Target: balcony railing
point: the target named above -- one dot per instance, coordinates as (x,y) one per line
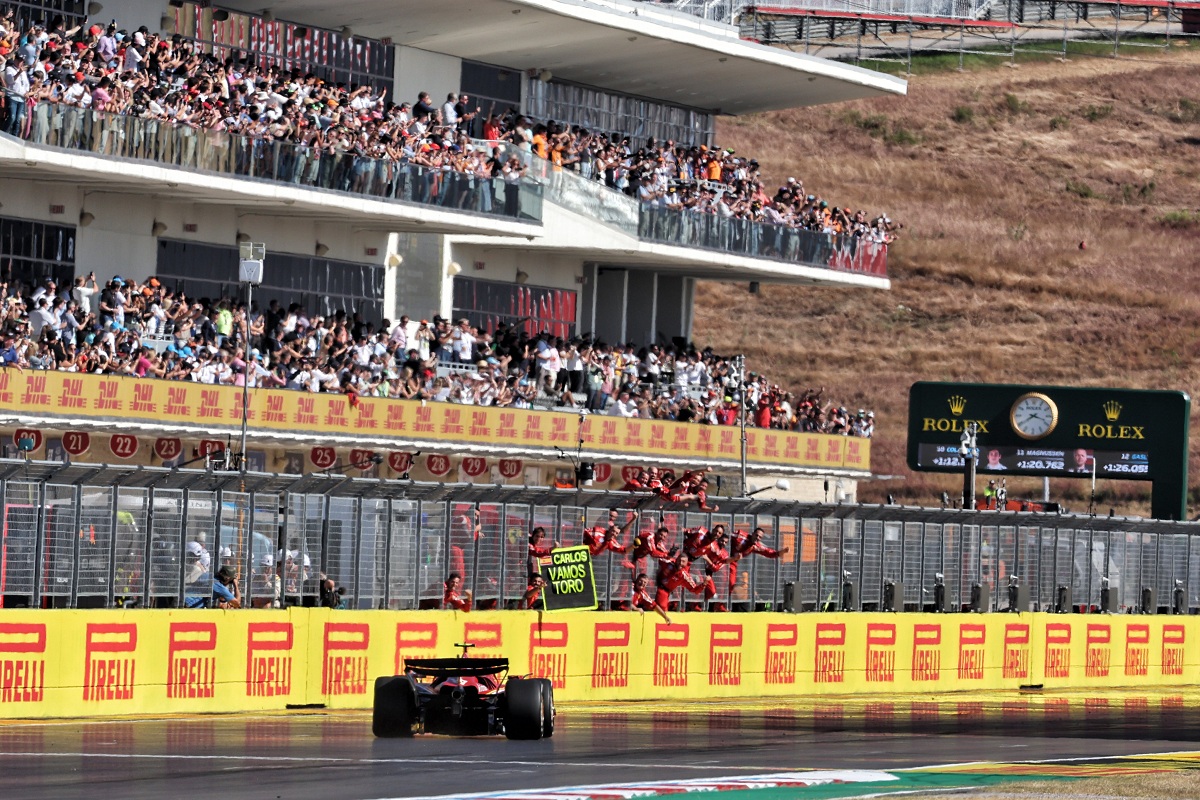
(762,240)
(573,191)
(594,200)
(952,9)
(221,153)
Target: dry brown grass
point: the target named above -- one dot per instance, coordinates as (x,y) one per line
(989,282)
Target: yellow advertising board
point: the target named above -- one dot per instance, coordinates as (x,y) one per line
(343,417)
(106,663)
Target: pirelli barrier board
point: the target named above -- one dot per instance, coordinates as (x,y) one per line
(106,663)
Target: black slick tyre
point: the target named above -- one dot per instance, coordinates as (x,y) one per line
(395,711)
(525,715)
(548,712)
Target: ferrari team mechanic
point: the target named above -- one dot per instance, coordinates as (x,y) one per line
(465,530)
(745,544)
(689,486)
(674,573)
(648,479)
(455,596)
(651,544)
(600,539)
(536,551)
(643,599)
(712,548)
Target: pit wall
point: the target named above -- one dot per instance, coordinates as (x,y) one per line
(106,663)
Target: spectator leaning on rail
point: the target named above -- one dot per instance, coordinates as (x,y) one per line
(224,592)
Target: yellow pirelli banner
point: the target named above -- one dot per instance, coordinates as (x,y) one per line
(103,663)
(63,395)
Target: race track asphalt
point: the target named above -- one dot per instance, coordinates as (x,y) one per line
(333,756)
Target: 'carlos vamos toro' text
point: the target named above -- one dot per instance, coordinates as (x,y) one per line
(569,581)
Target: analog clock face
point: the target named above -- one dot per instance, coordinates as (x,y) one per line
(1034,416)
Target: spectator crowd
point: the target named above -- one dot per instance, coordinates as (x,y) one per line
(170,80)
(153,331)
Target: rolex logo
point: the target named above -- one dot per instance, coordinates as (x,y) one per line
(1112,410)
(957,404)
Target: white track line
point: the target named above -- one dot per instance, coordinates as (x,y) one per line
(660,788)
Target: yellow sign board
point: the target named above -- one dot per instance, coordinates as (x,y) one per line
(104,663)
(63,395)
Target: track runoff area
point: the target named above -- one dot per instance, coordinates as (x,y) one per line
(828,748)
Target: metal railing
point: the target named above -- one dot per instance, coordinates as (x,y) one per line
(220,153)
(691,229)
(723,11)
(94,536)
(762,240)
(573,191)
(945,9)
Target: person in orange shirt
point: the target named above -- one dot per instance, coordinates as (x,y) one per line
(713,169)
(540,144)
(491,129)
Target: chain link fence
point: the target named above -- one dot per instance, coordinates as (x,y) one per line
(78,536)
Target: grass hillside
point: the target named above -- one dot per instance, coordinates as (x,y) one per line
(1052,235)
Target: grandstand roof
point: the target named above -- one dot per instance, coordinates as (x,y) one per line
(630,47)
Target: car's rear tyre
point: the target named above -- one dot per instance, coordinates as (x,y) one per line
(395,712)
(548,712)
(525,714)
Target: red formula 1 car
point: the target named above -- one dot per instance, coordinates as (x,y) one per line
(462,697)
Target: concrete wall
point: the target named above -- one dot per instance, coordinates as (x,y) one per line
(132,14)
(669,318)
(502,263)
(420,288)
(423,71)
(611,293)
(639,324)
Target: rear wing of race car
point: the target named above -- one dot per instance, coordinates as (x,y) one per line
(442,668)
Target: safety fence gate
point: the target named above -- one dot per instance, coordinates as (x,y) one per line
(95,536)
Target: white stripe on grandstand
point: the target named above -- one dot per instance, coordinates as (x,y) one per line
(658,788)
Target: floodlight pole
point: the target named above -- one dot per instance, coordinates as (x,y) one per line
(246,378)
(970,452)
(740,361)
(250,272)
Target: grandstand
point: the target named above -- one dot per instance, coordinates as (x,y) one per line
(893,30)
(88,189)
